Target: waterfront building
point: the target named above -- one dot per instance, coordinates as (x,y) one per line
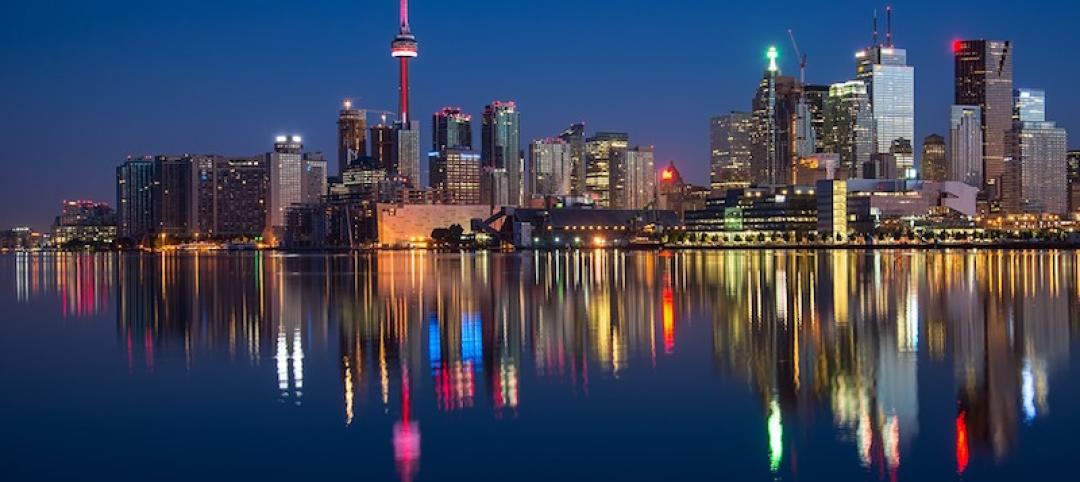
(134,198)
(633,178)
(1034,180)
(599,151)
(849,125)
(295,178)
(456,176)
(934,163)
(984,78)
(966,145)
(832,208)
(500,152)
(352,135)
(550,167)
(411,225)
(84,222)
(174,200)
(574,136)
(241,197)
(730,151)
(1072,163)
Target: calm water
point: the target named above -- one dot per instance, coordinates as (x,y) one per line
(888,365)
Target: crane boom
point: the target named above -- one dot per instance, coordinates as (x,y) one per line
(802,58)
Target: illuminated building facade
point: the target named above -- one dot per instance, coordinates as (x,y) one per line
(574,136)
(984,78)
(242,192)
(134,198)
(451,128)
(455,176)
(934,164)
(1029,105)
(890,83)
(1072,165)
(382,145)
(1035,176)
(633,178)
(352,135)
(849,125)
(500,152)
(599,152)
(730,151)
(774,114)
(84,222)
(966,144)
(406,153)
(551,167)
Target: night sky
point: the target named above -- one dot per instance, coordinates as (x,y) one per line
(85,84)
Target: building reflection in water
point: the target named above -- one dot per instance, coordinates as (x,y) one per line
(840,332)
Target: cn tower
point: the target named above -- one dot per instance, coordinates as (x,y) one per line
(403,48)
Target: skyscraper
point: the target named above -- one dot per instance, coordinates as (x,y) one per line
(451,128)
(352,135)
(550,167)
(731,151)
(173,205)
(134,198)
(382,145)
(575,137)
(1029,105)
(313,178)
(455,176)
(599,151)
(890,83)
(406,153)
(1072,161)
(774,109)
(500,154)
(966,145)
(633,178)
(984,78)
(815,103)
(286,179)
(1035,169)
(241,196)
(934,164)
(849,126)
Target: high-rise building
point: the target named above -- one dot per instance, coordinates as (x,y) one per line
(451,128)
(966,145)
(286,179)
(352,135)
(550,167)
(242,190)
(174,205)
(849,126)
(599,151)
(775,109)
(574,136)
(1029,105)
(1072,163)
(731,151)
(815,103)
(382,145)
(455,176)
(934,164)
(406,153)
(314,178)
(134,198)
(984,78)
(633,180)
(1035,170)
(890,83)
(500,153)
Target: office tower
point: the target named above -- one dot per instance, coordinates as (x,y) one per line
(1029,105)
(204,195)
(455,176)
(134,198)
(382,145)
(1072,163)
(286,179)
(406,153)
(550,167)
(966,145)
(574,136)
(934,164)
(242,195)
(815,103)
(84,222)
(1035,169)
(633,178)
(849,125)
(500,153)
(599,151)
(774,109)
(173,204)
(890,83)
(451,128)
(902,149)
(731,151)
(313,178)
(352,135)
(404,48)
(984,78)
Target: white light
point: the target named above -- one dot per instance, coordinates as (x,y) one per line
(281,139)
(296,139)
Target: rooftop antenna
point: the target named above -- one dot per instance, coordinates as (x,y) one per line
(888,28)
(875,29)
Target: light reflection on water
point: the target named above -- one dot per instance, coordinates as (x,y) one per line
(892,351)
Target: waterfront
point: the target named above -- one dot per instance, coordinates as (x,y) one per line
(758,365)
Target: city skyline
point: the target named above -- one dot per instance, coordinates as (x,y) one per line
(161,113)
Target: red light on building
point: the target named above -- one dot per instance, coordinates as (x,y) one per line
(957,46)
(668,174)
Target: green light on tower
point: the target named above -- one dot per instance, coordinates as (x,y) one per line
(772,54)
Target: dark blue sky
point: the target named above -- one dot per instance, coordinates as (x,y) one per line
(86,83)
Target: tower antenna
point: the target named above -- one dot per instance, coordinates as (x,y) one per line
(888,26)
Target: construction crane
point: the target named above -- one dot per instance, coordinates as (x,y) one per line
(801,56)
(805,138)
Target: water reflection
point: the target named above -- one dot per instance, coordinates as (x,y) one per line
(845,334)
